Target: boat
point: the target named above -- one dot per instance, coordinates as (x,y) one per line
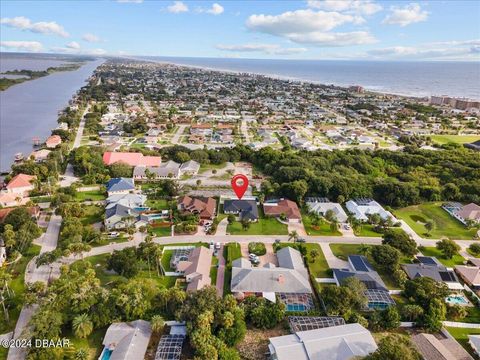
(18,157)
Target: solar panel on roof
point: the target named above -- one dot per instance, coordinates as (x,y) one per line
(447,276)
(170,347)
(304,323)
(426,260)
(359,263)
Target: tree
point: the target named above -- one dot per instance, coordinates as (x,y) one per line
(429,226)
(456,312)
(394,347)
(158,323)
(342,300)
(390,318)
(82,325)
(386,256)
(124,262)
(435,314)
(401,241)
(474,248)
(314,254)
(448,247)
(245,224)
(293,235)
(120,169)
(262,313)
(412,312)
(231,218)
(422,290)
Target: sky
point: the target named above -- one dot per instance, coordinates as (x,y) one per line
(314,29)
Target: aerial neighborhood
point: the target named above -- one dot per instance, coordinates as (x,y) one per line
(357,237)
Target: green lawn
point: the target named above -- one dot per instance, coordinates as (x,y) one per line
(93,214)
(107,240)
(166,257)
(94,195)
(231,251)
(93,343)
(458,139)
(266,226)
(205,167)
(214,271)
(161,231)
(17,285)
(461,335)
(472,253)
(367,231)
(342,251)
(321,230)
(444,224)
(318,268)
(433,251)
(161,204)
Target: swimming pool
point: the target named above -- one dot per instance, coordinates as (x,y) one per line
(457,300)
(296,307)
(106,353)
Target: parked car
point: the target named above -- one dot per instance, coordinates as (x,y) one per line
(217,246)
(113,234)
(301,240)
(347,227)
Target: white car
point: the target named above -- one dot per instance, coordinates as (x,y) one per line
(253,257)
(113,234)
(217,246)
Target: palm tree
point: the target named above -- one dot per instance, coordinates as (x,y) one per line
(81,354)
(158,323)
(364,249)
(82,325)
(293,235)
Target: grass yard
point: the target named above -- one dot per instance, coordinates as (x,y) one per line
(107,240)
(94,195)
(461,335)
(214,271)
(93,214)
(231,251)
(17,285)
(444,224)
(92,344)
(166,257)
(457,139)
(161,231)
(318,268)
(161,204)
(321,230)
(433,251)
(206,167)
(267,226)
(367,231)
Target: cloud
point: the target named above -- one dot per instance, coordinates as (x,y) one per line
(73,45)
(130,1)
(41,27)
(365,7)
(216,9)
(462,50)
(177,7)
(311,27)
(29,46)
(409,14)
(271,49)
(91,38)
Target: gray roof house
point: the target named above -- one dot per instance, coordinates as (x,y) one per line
(126,341)
(190,167)
(290,277)
(341,342)
(434,269)
(246,209)
(120,186)
(118,216)
(130,200)
(359,267)
(322,205)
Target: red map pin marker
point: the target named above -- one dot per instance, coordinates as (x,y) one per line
(239,185)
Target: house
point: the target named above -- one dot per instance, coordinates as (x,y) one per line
(362,208)
(118,216)
(126,341)
(245,209)
(439,347)
(130,158)
(359,267)
(470,275)
(39,155)
(190,168)
(341,342)
(130,200)
(284,207)
(11,199)
(53,141)
(21,184)
(34,212)
(197,268)
(168,170)
(322,205)
(204,207)
(463,213)
(430,267)
(120,186)
(201,129)
(288,281)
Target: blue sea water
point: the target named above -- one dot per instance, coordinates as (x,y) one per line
(410,78)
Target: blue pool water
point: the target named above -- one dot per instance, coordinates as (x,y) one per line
(456,299)
(142,209)
(296,307)
(106,353)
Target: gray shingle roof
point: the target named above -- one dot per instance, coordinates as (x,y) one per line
(120,184)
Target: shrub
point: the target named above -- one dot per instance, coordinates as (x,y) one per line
(257,248)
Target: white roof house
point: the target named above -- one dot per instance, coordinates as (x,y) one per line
(319,206)
(474,341)
(127,341)
(361,208)
(338,342)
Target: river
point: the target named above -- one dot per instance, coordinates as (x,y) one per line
(30,109)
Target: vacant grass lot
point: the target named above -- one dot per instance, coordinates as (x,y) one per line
(367,231)
(433,251)
(94,195)
(444,224)
(321,230)
(461,335)
(458,139)
(93,214)
(161,204)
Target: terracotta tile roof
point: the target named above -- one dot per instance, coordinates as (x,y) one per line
(53,141)
(21,180)
(287,207)
(33,211)
(205,207)
(130,158)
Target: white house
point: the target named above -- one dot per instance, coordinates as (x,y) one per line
(322,205)
(361,208)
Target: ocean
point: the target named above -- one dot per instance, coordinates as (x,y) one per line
(409,78)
